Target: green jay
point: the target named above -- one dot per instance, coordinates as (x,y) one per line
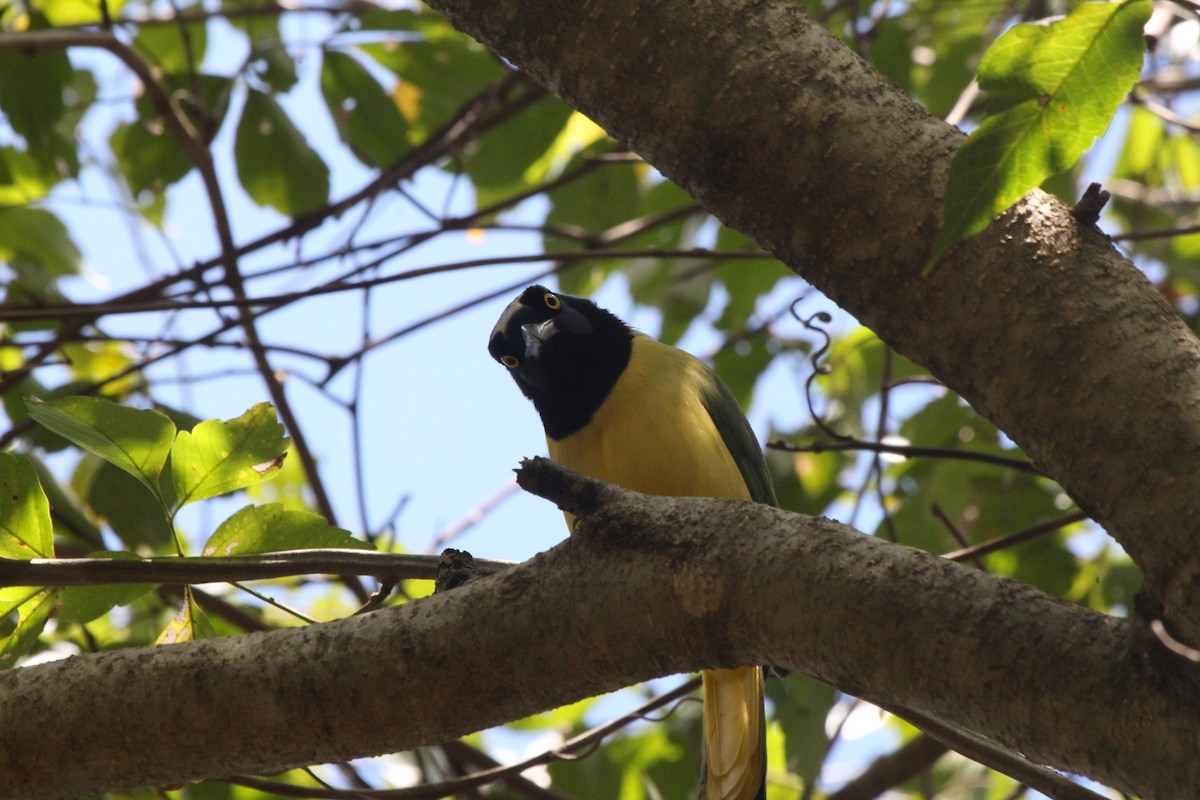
(622,407)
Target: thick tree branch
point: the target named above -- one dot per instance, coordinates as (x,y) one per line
(783,132)
(645,587)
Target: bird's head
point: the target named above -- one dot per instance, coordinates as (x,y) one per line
(564,352)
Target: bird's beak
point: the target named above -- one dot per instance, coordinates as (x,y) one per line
(535,335)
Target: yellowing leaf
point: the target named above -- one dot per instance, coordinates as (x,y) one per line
(63,13)
(99,361)
(578,133)
(407,97)
(189,624)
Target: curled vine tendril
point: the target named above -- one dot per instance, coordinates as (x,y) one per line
(814,323)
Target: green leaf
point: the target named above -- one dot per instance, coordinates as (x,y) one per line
(219,457)
(70,519)
(14,405)
(275,164)
(746,281)
(63,13)
(624,766)
(12,598)
(805,482)
(785,788)
(367,118)
(136,440)
(1141,155)
(948,36)
(289,486)
(150,158)
(274,65)
(34,103)
(801,707)
(856,364)
(741,365)
(22,178)
(509,158)
(189,624)
(40,241)
(680,287)
(25,527)
(982,501)
(438,73)
(1058,86)
(1044,562)
(85,603)
(271,528)
(101,362)
(269,60)
(32,615)
(113,496)
(173,49)
(592,203)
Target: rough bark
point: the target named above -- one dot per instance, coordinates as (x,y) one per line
(645,587)
(783,132)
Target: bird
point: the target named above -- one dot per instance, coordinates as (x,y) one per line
(620,406)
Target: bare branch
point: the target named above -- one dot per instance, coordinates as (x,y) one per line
(908,451)
(224,569)
(572,747)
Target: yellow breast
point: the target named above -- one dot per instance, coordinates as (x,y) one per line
(653,434)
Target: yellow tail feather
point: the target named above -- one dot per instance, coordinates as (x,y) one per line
(734,734)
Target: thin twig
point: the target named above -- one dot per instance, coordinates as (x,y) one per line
(582,742)
(1013,539)
(909,451)
(224,569)
(109,308)
(992,755)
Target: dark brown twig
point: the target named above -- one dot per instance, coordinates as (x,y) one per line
(1087,210)
(582,742)
(909,451)
(212,569)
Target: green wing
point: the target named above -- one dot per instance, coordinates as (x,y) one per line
(731,423)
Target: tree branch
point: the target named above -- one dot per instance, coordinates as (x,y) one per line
(890,770)
(908,451)
(223,569)
(574,746)
(654,586)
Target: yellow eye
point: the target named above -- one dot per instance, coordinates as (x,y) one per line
(512,362)
(552,301)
